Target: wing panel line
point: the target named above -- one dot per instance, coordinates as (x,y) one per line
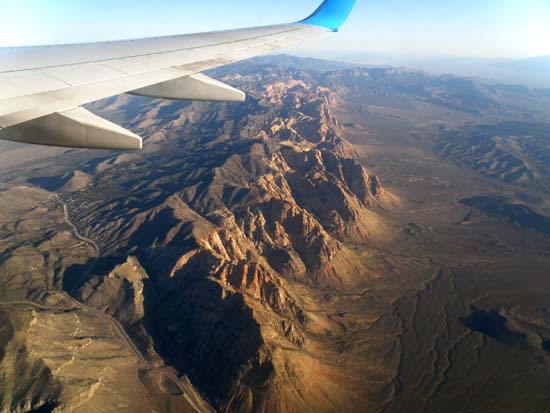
(292,29)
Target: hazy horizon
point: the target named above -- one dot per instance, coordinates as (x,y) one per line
(531,72)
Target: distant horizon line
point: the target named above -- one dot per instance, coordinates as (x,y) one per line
(419,56)
(513,72)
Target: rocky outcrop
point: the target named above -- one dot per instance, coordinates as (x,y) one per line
(120,293)
(306,120)
(237,214)
(75,181)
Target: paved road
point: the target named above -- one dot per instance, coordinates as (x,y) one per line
(77,234)
(192,396)
(184,385)
(33,304)
(119,329)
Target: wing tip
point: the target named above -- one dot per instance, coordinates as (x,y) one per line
(331,14)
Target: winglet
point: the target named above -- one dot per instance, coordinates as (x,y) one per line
(331,14)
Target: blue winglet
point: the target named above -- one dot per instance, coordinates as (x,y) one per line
(331,14)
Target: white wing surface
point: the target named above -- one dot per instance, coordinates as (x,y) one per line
(42,88)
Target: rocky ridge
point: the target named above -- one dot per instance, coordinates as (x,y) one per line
(239,209)
(217,242)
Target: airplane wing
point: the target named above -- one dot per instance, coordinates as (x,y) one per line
(42,88)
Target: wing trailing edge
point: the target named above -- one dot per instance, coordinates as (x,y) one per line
(194,87)
(43,88)
(74,128)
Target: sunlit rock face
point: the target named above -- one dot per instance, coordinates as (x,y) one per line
(246,208)
(216,238)
(247,247)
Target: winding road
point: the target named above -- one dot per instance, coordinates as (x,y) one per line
(190,394)
(193,397)
(77,234)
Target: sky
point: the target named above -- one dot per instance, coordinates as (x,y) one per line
(469,28)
